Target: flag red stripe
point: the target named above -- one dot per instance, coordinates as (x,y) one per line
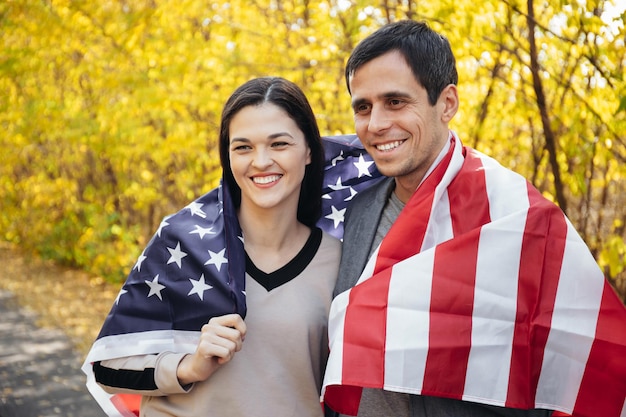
(365,332)
(127,404)
(606,362)
(454,273)
(452,299)
(469,202)
(540,267)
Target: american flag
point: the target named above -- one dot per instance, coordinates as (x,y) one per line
(481,291)
(194,269)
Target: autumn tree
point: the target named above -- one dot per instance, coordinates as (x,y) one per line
(110,109)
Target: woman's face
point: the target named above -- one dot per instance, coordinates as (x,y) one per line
(268,155)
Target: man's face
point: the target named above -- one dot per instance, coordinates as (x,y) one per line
(394,120)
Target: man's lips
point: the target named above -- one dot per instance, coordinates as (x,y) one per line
(389,146)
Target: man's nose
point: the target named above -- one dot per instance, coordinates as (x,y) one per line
(379,119)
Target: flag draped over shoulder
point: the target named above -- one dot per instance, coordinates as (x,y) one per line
(482,291)
(193,269)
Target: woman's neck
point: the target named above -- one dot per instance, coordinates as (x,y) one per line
(272,239)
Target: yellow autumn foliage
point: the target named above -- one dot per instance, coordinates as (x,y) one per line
(110,109)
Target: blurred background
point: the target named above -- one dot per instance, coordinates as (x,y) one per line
(109,109)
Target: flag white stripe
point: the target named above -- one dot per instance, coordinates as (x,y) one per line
(495,291)
(440,226)
(410,290)
(336,326)
(574,322)
(507,189)
(493,316)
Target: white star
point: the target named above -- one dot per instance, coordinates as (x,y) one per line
(155,287)
(141,258)
(177,255)
(199,287)
(352,194)
(119,295)
(338,186)
(163,224)
(338,158)
(202,231)
(195,209)
(336,216)
(217,259)
(363,166)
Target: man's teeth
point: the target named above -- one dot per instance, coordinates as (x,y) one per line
(266,180)
(389,146)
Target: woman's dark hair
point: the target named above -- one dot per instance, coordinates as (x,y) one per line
(427,53)
(289,97)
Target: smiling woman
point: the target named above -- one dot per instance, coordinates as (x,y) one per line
(268,156)
(186,349)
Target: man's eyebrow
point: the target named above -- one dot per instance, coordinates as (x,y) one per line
(387,95)
(395,94)
(358,102)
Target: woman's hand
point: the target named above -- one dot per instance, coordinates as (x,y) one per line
(220,339)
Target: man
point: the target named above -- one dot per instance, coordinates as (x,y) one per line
(450,313)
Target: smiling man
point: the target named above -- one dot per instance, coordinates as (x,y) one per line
(455,271)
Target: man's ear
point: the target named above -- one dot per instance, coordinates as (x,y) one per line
(449,101)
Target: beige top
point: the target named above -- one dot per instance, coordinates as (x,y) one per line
(278,372)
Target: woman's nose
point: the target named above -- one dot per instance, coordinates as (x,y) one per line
(262,159)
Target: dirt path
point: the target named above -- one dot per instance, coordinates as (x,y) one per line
(49,318)
(62,298)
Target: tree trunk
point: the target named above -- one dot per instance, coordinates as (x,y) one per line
(543,109)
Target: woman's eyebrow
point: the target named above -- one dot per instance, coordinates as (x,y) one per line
(279,134)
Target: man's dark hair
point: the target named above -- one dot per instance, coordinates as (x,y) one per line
(427,53)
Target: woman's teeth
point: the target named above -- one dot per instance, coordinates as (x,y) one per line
(266,180)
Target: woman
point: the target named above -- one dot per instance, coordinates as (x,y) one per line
(272,363)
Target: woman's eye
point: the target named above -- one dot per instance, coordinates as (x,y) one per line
(279,144)
(241,148)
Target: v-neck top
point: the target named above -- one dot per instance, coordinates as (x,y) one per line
(291,269)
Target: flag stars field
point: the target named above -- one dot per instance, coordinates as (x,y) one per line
(155,287)
(199,287)
(177,255)
(217,259)
(336,216)
(363,166)
(202,231)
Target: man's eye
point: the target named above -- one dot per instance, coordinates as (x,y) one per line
(362,108)
(395,103)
